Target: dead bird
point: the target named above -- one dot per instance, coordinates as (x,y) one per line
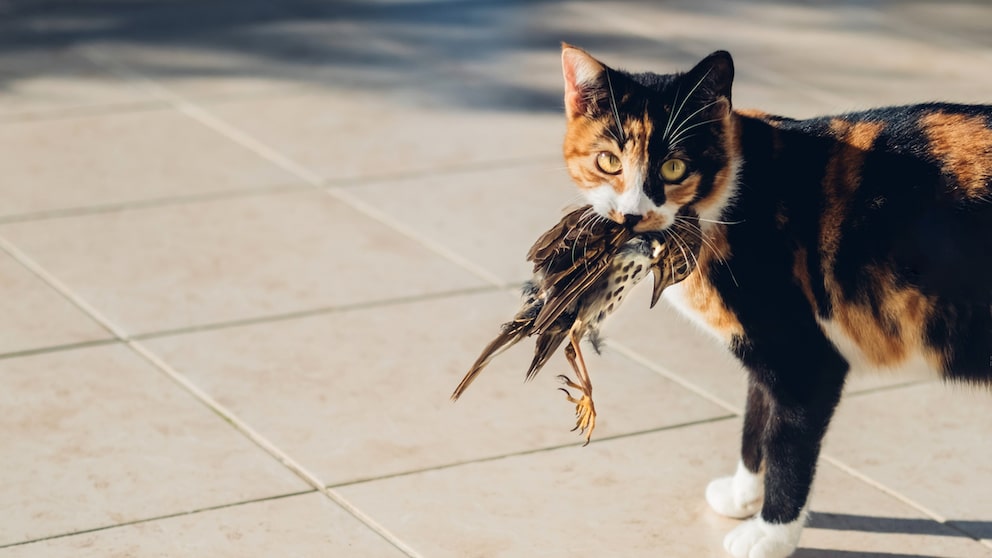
(584,266)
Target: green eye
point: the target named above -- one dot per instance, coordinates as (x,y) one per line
(673,170)
(608,163)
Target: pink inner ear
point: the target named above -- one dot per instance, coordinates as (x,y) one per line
(579,70)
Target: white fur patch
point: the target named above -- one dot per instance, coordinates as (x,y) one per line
(601,199)
(631,201)
(756,538)
(739,496)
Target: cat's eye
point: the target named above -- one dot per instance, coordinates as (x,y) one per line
(608,163)
(673,170)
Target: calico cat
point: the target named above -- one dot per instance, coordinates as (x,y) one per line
(830,244)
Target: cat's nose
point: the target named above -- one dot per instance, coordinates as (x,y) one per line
(631,220)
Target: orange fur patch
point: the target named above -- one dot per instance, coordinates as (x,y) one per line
(725,178)
(702,296)
(585,138)
(842,178)
(682,193)
(752,113)
(897,330)
(652,221)
(964,144)
(705,300)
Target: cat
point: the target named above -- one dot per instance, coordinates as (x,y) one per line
(829,244)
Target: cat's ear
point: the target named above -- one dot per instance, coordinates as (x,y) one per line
(582,72)
(715,74)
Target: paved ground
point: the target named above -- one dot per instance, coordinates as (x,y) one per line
(249,247)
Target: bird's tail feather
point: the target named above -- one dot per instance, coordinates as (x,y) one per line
(512,333)
(547,343)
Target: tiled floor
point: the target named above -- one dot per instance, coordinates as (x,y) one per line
(247,249)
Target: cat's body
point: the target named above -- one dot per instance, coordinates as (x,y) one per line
(830,245)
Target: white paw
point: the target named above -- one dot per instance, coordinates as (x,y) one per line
(739,496)
(757,539)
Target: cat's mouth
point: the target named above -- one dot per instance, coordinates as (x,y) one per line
(626,219)
(651,221)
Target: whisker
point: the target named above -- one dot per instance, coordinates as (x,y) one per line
(693,90)
(695,229)
(616,113)
(720,222)
(668,126)
(675,133)
(696,125)
(672,145)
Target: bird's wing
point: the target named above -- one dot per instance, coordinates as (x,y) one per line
(572,273)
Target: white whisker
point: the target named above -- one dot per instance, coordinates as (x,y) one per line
(693,90)
(668,126)
(678,128)
(675,139)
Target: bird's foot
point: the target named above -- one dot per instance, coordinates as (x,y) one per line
(585,410)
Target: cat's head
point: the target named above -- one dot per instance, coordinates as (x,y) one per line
(644,147)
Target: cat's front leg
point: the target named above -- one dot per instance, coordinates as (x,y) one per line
(740,496)
(797,408)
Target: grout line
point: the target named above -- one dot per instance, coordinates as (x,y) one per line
(61,288)
(449,170)
(150,203)
(543,449)
(58,348)
(82,111)
(881,487)
(888,387)
(408,231)
(380,303)
(264,443)
(354,182)
(240,425)
(160,517)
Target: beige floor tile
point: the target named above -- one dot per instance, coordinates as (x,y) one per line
(36,316)
(929,442)
(364,393)
(118,158)
(96,437)
(490,216)
(347,134)
(294,527)
(184,265)
(636,496)
(36,82)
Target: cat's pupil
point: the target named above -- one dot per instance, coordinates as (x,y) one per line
(673,170)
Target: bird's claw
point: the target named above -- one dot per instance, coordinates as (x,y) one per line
(585,410)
